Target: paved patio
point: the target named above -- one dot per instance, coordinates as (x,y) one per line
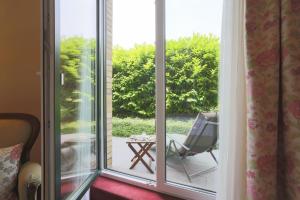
(121,156)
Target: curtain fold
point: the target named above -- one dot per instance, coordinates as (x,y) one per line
(260,123)
(273,99)
(232,98)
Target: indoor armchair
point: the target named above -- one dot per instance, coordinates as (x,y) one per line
(15,129)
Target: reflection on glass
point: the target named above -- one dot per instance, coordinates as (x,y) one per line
(192,61)
(130,86)
(77,97)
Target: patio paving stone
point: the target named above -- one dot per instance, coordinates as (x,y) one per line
(121,156)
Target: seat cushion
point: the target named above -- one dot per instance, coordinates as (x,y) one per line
(9,168)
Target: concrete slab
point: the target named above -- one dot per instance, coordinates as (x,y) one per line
(121,156)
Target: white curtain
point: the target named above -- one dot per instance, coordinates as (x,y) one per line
(233,136)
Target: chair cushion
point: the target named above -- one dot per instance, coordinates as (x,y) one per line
(9,168)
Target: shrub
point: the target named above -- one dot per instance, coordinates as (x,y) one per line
(192,74)
(134,81)
(191,77)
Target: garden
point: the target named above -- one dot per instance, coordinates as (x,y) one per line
(191,84)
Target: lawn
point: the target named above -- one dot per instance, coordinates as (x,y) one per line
(134,126)
(125,127)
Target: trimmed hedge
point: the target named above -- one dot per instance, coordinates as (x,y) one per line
(191,77)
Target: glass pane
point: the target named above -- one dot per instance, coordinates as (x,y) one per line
(130,91)
(77,97)
(193,30)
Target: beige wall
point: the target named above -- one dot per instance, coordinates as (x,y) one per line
(20,59)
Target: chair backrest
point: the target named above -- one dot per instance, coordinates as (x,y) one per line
(204,133)
(16,128)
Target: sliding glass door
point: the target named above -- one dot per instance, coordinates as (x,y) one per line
(77,64)
(192,52)
(130,86)
(162,68)
(155,89)
(73,76)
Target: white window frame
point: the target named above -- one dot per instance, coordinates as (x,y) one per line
(160,184)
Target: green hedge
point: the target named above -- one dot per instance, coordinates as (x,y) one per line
(191,76)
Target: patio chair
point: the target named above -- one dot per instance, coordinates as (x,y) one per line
(201,138)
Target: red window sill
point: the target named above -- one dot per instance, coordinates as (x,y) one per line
(107,189)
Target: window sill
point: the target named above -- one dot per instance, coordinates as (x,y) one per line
(171,189)
(106,188)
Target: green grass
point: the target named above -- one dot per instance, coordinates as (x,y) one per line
(134,126)
(73,127)
(125,127)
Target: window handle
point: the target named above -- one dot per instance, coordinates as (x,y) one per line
(62,78)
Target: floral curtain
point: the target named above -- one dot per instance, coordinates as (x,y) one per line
(273,99)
